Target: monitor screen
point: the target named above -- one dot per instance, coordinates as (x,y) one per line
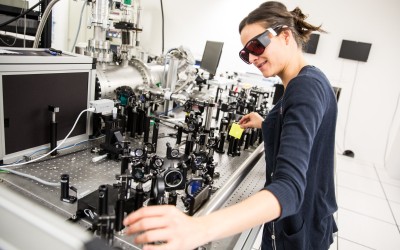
(28,125)
(211,55)
(355,50)
(311,46)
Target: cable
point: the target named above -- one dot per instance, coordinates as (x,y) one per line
(339,149)
(162,27)
(15,38)
(21,15)
(42,23)
(53,184)
(24,31)
(348,110)
(37,151)
(81,142)
(33,160)
(79,26)
(16,32)
(61,149)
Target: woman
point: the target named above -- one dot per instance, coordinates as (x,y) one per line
(298,200)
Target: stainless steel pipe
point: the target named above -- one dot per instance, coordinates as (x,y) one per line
(222,195)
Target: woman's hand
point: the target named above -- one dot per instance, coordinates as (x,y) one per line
(252,120)
(165,224)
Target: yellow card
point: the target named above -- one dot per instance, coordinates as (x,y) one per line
(236,131)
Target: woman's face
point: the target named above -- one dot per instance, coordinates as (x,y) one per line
(271,62)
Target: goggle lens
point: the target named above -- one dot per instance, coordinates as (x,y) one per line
(255,47)
(244,56)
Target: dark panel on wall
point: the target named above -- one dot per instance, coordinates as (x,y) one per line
(312,44)
(355,50)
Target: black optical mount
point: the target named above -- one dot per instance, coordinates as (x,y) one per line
(64,193)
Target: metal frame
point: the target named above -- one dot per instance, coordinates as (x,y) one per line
(42,224)
(20,65)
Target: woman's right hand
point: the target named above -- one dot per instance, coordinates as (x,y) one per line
(252,120)
(166,224)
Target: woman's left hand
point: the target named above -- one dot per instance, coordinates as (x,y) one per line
(165,224)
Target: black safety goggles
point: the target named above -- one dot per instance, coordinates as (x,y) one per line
(257,44)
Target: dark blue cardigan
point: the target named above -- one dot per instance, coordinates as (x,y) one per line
(303,181)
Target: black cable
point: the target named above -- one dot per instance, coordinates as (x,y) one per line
(348,109)
(21,15)
(162,28)
(16,32)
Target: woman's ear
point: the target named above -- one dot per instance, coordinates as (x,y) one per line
(287,34)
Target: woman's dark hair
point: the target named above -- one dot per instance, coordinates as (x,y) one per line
(272,14)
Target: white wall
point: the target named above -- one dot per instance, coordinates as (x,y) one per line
(74,12)
(375,83)
(60,23)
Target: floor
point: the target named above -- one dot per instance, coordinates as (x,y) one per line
(369,207)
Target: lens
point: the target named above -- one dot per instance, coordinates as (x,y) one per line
(194,186)
(175,153)
(191,127)
(138,152)
(211,142)
(198,160)
(158,162)
(138,174)
(173,178)
(244,56)
(255,47)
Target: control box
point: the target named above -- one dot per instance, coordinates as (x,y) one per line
(31,80)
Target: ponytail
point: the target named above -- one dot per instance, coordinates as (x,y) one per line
(303,28)
(272,14)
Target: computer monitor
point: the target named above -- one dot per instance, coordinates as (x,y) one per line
(312,44)
(211,55)
(355,50)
